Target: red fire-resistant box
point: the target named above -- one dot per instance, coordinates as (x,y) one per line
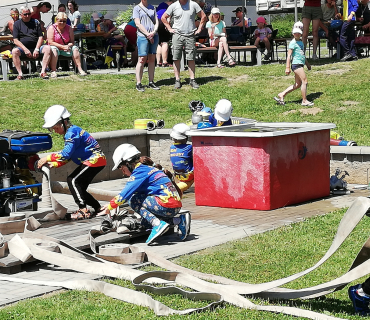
(261,166)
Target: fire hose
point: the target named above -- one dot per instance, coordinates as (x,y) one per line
(59,253)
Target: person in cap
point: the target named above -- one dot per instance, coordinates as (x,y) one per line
(222,115)
(149,192)
(83,150)
(217,36)
(184,35)
(110,39)
(241,19)
(181,154)
(297,58)
(263,35)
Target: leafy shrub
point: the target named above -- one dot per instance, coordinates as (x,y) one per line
(85,17)
(124,16)
(284,22)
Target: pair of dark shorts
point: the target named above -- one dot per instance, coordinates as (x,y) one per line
(23,55)
(164,35)
(296,66)
(312,13)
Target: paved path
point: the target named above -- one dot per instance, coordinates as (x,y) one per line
(210,226)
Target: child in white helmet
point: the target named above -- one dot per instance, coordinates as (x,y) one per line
(82,149)
(181,154)
(297,58)
(222,115)
(149,192)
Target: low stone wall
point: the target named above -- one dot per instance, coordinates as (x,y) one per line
(355,160)
(156,144)
(108,141)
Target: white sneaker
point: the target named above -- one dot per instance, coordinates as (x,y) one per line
(315,57)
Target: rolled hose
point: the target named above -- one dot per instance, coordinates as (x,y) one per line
(155,124)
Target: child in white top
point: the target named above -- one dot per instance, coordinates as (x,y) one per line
(263,34)
(298,60)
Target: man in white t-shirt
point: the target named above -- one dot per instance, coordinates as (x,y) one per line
(183,13)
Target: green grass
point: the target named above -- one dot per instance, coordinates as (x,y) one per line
(111,102)
(256,259)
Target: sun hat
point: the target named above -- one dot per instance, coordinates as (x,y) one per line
(297,30)
(240,9)
(261,20)
(108,16)
(215,10)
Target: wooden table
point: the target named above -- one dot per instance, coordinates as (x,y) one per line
(84,35)
(8,37)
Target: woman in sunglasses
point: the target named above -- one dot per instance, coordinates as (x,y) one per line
(61,40)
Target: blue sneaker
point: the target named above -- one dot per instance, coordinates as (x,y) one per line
(157,231)
(184,225)
(361,304)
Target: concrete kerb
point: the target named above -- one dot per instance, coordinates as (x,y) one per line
(355,160)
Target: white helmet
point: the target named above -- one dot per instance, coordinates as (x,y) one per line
(54,114)
(124,152)
(223,110)
(178,131)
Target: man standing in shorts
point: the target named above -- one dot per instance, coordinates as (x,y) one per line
(311,11)
(184,31)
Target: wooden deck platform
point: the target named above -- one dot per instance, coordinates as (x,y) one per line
(205,219)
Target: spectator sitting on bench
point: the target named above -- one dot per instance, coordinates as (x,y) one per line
(8,30)
(262,35)
(238,22)
(330,12)
(363,15)
(28,38)
(61,40)
(62,8)
(217,36)
(110,38)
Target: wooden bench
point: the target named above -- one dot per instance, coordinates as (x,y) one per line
(116,48)
(255,53)
(363,41)
(5,61)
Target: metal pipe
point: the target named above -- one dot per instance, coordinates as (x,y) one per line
(21,187)
(6,163)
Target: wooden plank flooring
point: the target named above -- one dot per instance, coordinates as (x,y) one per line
(207,221)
